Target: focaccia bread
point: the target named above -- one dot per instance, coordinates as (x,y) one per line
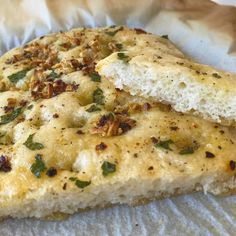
(153,68)
(71,141)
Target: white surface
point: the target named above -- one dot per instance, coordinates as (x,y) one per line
(226,2)
(201,29)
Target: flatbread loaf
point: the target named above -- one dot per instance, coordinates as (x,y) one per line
(71,141)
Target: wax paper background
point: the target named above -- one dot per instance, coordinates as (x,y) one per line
(203,30)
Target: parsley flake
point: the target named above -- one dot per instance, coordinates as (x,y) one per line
(30,107)
(14,78)
(10,117)
(122,56)
(80,183)
(108,168)
(164,144)
(95,77)
(53,75)
(98,96)
(93,108)
(38,166)
(72,178)
(33,145)
(113,33)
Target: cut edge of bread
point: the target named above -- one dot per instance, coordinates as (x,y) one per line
(55,205)
(58,216)
(180,88)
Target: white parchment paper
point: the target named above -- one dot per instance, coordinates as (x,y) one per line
(203,30)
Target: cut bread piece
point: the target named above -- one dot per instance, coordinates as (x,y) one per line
(162,75)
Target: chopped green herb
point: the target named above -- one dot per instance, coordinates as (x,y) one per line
(98,96)
(72,178)
(122,56)
(38,166)
(93,108)
(14,78)
(113,33)
(119,46)
(33,145)
(164,144)
(10,117)
(108,168)
(80,183)
(95,77)
(186,151)
(53,75)
(30,107)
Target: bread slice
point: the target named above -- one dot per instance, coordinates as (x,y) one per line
(152,69)
(71,141)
